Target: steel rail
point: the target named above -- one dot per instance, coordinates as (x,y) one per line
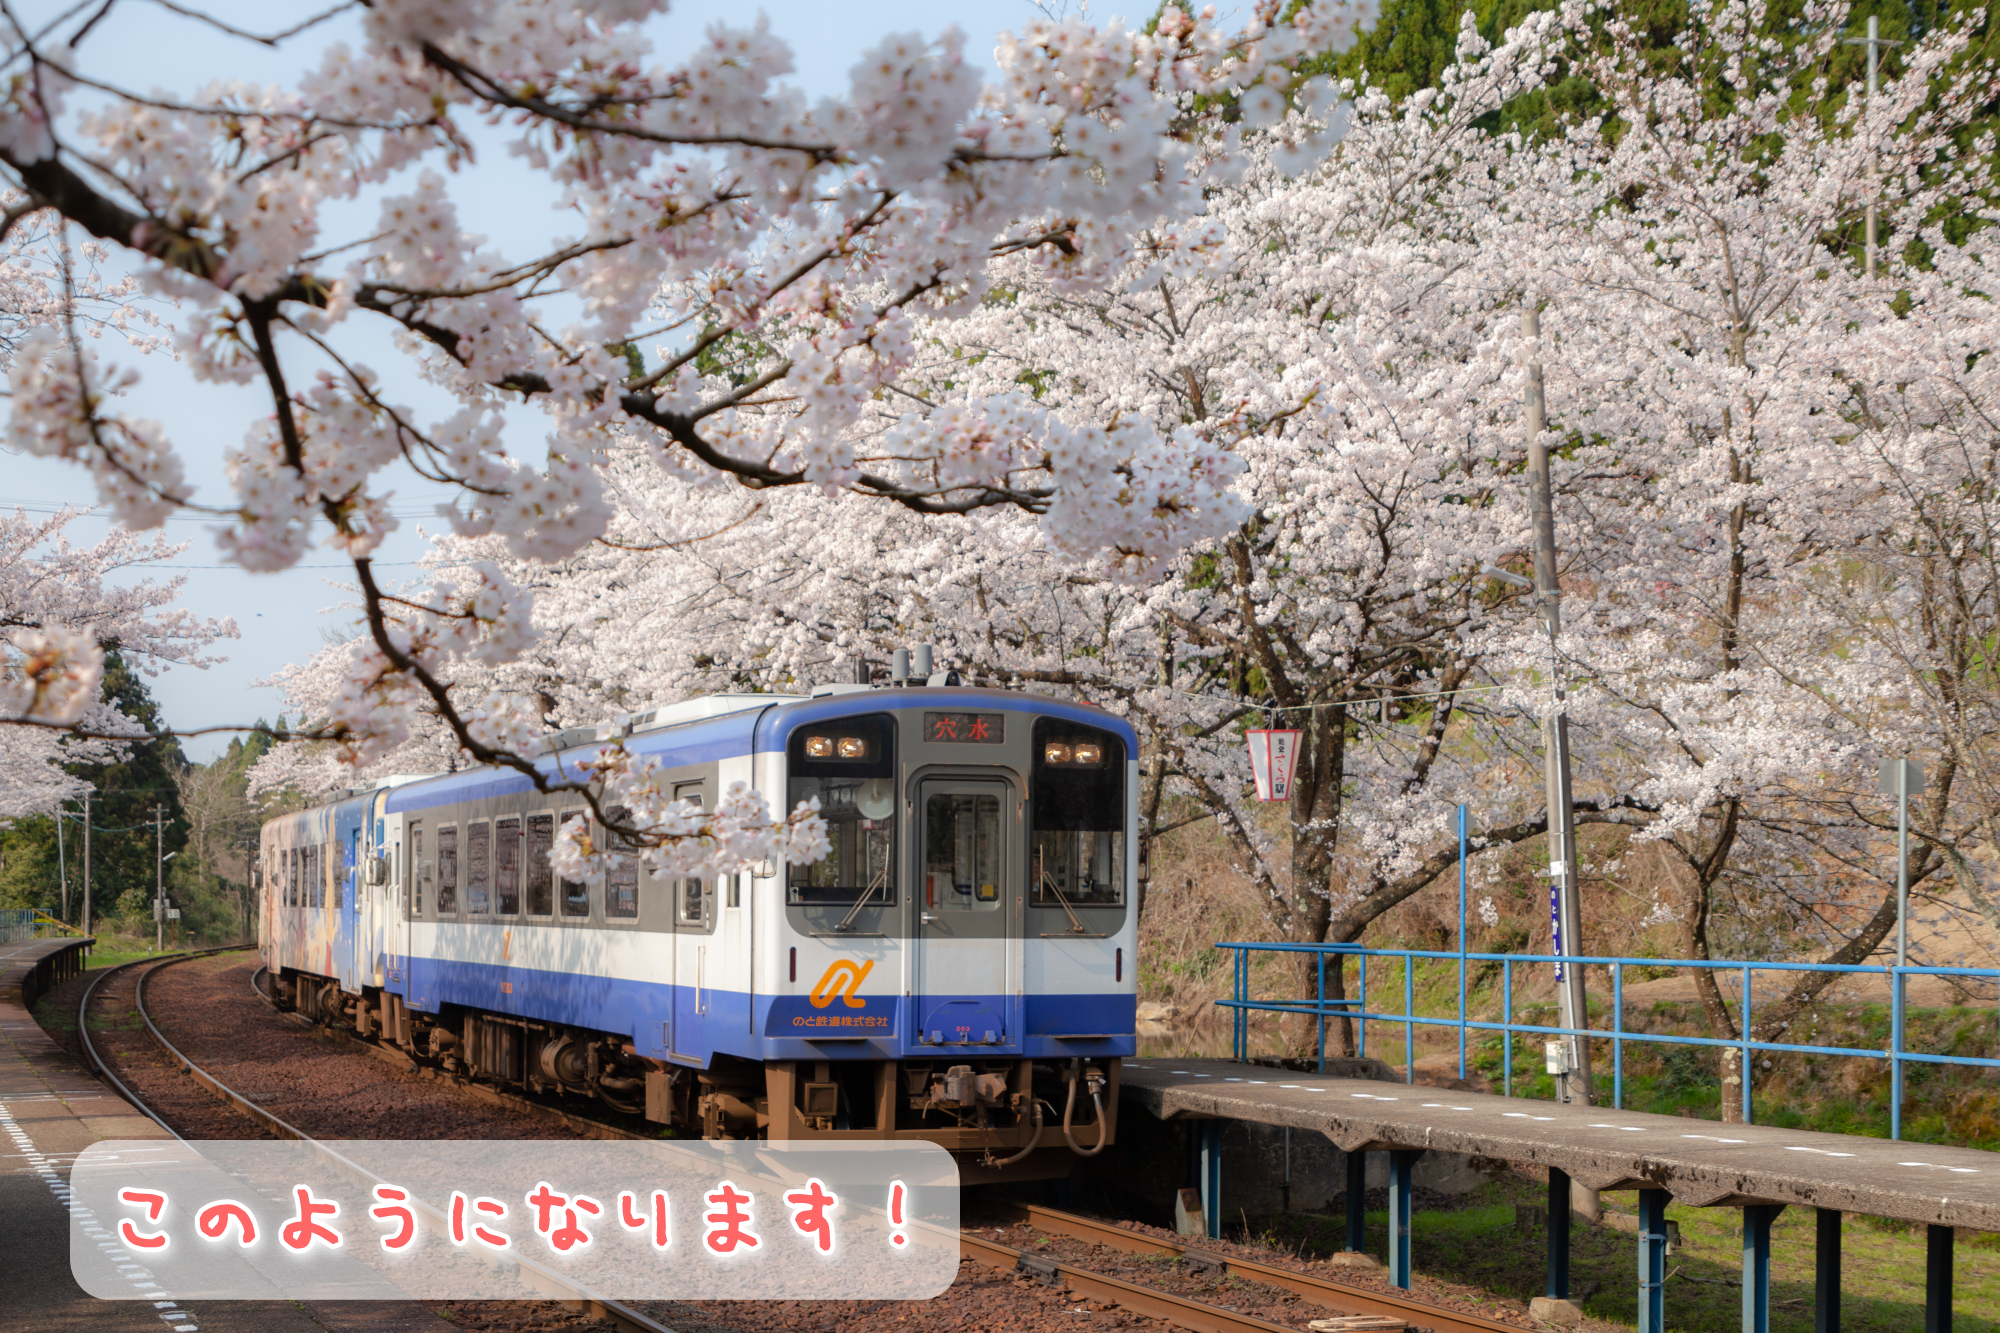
(97,1063)
(1358,1300)
(396,1058)
(569,1294)
(1176,1310)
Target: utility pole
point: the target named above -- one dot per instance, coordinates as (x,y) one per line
(1570,1056)
(62,861)
(1873,41)
(86,861)
(159,879)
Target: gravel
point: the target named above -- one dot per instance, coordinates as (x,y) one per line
(329,1088)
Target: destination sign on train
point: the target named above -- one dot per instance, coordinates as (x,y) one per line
(975,728)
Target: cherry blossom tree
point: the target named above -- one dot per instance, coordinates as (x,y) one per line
(823,230)
(1712,358)
(61,605)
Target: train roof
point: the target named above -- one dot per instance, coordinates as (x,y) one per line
(728,726)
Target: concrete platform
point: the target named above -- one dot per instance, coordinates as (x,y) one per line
(50,1110)
(1701,1163)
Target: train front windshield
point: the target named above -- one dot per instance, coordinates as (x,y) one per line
(1077,850)
(850,767)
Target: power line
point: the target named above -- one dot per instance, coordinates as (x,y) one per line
(169,564)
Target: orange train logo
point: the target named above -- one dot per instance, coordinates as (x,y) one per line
(843,979)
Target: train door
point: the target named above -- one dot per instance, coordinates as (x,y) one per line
(347,942)
(967,940)
(408,904)
(694,970)
(376,885)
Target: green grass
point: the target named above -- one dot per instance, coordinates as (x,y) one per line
(1479,1244)
(98,959)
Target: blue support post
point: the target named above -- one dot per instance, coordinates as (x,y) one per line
(1461,940)
(1211,1176)
(1239,991)
(1357,1202)
(1402,1164)
(1653,1261)
(1558,1235)
(1896,1054)
(1757,1219)
(1826,1272)
(1748,1119)
(1937,1279)
(1617,1036)
(1319,1019)
(1409,1024)
(1361,1042)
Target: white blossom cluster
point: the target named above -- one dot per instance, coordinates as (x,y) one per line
(1775,476)
(66,604)
(717,216)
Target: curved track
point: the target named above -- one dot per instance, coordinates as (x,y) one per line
(1179,1311)
(1334,1295)
(554,1284)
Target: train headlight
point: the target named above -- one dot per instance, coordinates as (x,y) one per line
(1089,754)
(819,747)
(1055,752)
(853,747)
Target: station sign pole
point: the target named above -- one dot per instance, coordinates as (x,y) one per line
(1569,1056)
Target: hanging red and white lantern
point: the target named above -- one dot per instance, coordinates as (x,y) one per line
(1273,756)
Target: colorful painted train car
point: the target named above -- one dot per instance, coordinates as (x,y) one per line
(960,969)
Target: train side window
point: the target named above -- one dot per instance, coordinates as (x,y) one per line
(735,883)
(315,878)
(414,868)
(541,879)
(621,885)
(289,859)
(688,911)
(575,893)
(507,866)
(479,868)
(447,871)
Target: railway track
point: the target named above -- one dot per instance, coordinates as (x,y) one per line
(1357,1303)
(1362,1309)
(556,1287)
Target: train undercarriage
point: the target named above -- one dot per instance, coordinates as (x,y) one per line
(1003,1117)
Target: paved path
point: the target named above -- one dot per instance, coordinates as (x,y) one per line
(50,1110)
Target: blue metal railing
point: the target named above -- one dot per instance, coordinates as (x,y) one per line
(1355,1008)
(17,923)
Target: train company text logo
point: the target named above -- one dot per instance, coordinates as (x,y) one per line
(843,979)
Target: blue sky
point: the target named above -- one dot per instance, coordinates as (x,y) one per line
(286,617)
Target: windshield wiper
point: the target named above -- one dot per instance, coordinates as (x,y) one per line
(1076,926)
(861,902)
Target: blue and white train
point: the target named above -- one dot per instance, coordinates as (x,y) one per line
(960,969)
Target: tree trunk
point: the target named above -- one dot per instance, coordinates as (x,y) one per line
(1316,811)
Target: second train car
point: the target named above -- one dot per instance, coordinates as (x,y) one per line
(961,968)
